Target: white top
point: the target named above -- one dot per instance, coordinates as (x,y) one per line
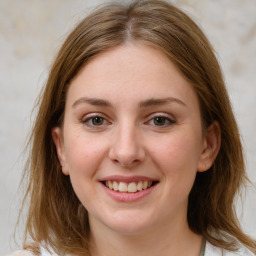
(210,250)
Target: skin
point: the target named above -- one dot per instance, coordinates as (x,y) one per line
(127,140)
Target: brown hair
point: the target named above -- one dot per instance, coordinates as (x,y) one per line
(55,214)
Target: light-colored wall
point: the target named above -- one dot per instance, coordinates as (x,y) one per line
(31,32)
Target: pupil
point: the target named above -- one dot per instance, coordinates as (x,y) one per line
(97,121)
(159,121)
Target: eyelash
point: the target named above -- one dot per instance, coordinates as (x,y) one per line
(89,120)
(167,120)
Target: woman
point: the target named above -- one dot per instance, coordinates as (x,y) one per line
(135,149)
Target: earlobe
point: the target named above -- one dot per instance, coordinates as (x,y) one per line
(58,141)
(211,147)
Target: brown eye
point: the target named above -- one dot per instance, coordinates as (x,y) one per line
(160,121)
(97,121)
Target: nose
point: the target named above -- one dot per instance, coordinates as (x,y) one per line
(127,148)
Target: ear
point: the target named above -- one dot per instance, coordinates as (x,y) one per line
(211,147)
(57,137)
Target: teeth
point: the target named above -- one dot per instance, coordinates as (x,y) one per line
(139,185)
(131,187)
(122,187)
(110,185)
(145,184)
(115,186)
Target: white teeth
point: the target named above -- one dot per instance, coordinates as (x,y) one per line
(110,185)
(145,184)
(115,186)
(131,187)
(123,187)
(139,185)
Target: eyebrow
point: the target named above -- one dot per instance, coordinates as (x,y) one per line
(143,104)
(155,102)
(92,101)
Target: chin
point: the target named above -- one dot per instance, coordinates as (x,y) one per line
(128,223)
(129,228)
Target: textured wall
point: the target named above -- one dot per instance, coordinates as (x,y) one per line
(31,32)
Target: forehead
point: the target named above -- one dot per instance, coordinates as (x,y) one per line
(130,72)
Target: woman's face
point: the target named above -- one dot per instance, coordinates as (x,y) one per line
(132,140)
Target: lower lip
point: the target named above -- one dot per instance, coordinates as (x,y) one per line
(128,197)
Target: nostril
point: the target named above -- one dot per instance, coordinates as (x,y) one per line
(127,163)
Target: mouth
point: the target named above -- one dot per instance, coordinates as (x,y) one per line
(129,187)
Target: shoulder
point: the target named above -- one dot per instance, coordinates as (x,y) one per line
(43,252)
(211,250)
(21,253)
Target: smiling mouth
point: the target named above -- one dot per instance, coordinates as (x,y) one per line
(131,187)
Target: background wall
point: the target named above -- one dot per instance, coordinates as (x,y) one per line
(31,31)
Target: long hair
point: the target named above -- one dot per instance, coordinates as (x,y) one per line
(56,216)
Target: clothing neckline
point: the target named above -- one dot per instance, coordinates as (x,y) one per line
(202,252)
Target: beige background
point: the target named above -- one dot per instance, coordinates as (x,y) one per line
(31,31)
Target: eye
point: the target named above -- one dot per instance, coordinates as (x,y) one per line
(161,121)
(95,121)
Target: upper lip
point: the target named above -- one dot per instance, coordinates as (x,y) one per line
(127,179)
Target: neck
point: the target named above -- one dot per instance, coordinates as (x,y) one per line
(171,240)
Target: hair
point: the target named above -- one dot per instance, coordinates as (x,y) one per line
(56,217)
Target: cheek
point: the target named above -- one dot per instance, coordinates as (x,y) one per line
(84,154)
(177,157)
